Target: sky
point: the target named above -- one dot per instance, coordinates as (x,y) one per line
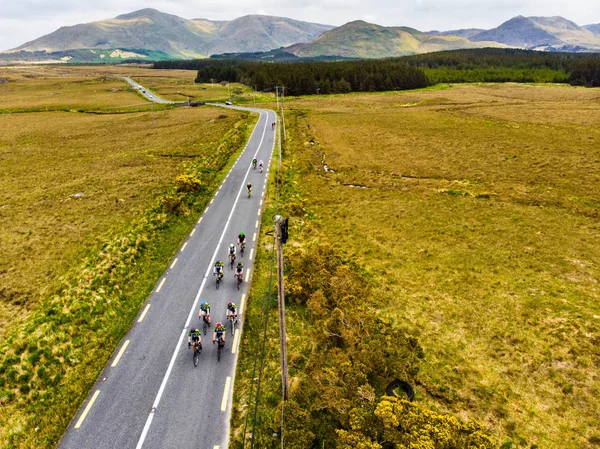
(25,20)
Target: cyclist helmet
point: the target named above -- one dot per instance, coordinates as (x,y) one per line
(249,185)
(219,324)
(193,329)
(228,305)
(231,245)
(240,265)
(202,303)
(241,234)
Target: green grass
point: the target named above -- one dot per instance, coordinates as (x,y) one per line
(478,232)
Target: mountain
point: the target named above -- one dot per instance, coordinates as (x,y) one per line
(594,28)
(360,39)
(152,30)
(541,33)
(464,32)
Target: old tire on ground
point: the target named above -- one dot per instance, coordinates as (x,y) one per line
(405,386)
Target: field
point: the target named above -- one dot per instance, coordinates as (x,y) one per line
(97,192)
(473,211)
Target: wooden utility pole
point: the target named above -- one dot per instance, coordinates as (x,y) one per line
(277,96)
(281,295)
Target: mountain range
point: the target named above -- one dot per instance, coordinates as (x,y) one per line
(151,34)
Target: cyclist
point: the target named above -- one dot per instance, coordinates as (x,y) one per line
(239,269)
(204,311)
(232,310)
(249,188)
(242,239)
(261,165)
(254,164)
(219,333)
(194,338)
(218,269)
(232,252)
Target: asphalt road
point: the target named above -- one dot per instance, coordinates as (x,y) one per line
(145,92)
(149,394)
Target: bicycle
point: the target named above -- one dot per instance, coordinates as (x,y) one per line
(221,345)
(197,351)
(242,248)
(239,279)
(219,279)
(232,320)
(205,324)
(249,192)
(232,260)
(253,164)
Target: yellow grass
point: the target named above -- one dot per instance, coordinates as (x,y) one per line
(70,179)
(479,229)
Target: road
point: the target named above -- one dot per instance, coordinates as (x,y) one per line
(149,394)
(146,93)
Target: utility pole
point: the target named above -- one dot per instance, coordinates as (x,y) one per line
(277,96)
(281,227)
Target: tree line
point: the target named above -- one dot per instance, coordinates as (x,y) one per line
(309,77)
(409,72)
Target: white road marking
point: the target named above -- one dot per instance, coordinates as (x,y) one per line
(242,301)
(197,299)
(254,237)
(200,220)
(87,409)
(236,340)
(183,247)
(206,210)
(192,233)
(247,275)
(123,348)
(261,203)
(161,284)
(251,252)
(211,201)
(225,394)
(256,225)
(144,314)
(258,212)
(174,263)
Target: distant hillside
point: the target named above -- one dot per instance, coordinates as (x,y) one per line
(465,32)
(545,33)
(152,30)
(360,39)
(594,28)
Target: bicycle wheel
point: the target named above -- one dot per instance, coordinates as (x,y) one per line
(242,251)
(232,325)
(196,357)
(232,261)
(204,325)
(218,280)
(219,349)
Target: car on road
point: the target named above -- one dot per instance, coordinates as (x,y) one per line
(228,103)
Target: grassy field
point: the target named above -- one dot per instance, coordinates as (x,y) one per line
(474,212)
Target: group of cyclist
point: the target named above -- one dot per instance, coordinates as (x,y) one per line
(194,335)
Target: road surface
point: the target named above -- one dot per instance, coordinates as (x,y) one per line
(149,394)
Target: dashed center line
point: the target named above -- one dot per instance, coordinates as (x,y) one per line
(161,284)
(87,409)
(121,352)
(144,314)
(225,394)
(174,263)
